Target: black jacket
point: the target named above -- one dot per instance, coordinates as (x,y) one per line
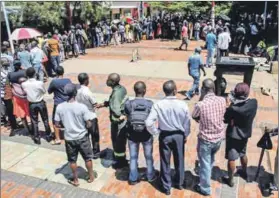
(240,119)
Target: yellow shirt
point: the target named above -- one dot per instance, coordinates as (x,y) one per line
(127,28)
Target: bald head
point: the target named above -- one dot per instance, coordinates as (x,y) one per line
(169,88)
(140,89)
(208,85)
(113,80)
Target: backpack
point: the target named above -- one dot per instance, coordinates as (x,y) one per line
(138,115)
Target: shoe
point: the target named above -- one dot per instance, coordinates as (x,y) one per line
(12,133)
(37,141)
(178,187)
(120,164)
(197,188)
(163,190)
(227,181)
(242,174)
(132,183)
(49,138)
(155,177)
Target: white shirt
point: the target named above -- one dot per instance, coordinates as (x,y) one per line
(254,30)
(34,89)
(86,97)
(172,115)
(223,40)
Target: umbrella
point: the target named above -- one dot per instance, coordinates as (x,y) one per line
(224,17)
(25,33)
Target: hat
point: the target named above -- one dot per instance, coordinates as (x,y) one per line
(70,89)
(240,93)
(5,62)
(198,50)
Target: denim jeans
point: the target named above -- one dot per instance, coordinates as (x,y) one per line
(210,55)
(206,155)
(197,35)
(98,40)
(195,87)
(134,153)
(39,71)
(55,61)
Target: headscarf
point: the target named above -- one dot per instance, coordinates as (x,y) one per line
(240,93)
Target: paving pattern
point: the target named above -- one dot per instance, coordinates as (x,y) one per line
(21,157)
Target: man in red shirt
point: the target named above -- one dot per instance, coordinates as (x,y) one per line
(184,34)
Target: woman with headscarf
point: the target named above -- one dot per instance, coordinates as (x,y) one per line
(239,116)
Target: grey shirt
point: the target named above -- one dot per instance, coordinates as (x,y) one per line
(73,116)
(86,97)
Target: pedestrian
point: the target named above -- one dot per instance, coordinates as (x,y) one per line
(197,28)
(73,42)
(224,40)
(20,102)
(86,97)
(184,34)
(35,91)
(7,95)
(173,128)
(37,57)
(118,120)
(137,111)
(57,88)
(5,54)
(75,118)
(53,44)
(122,32)
(24,57)
(239,116)
(98,35)
(209,113)
(211,41)
(172,29)
(66,44)
(114,31)
(194,66)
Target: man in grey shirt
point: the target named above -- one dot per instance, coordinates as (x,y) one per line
(75,118)
(85,96)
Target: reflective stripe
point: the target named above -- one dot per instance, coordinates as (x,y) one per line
(119,154)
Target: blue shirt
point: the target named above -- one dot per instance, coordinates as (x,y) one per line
(57,88)
(37,55)
(25,59)
(210,40)
(195,61)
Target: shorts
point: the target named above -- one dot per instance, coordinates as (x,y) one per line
(82,146)
(235,148)
(185,40)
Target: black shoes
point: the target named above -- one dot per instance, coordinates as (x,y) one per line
(49,138)
(228,181)
(37,141)
(120,164)
(13,133)
(197,188)
(178,187)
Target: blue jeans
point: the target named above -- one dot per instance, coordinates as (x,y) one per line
(98,40)
(197,35)
(195,86)
(55,61)
(39,71)
(134,153)
(210,55)
(206,155)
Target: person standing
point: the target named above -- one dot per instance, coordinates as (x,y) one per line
(24,57)
(37,60)
(35,91)
(86,97)
(75,118)
(184,34)
(211,41)
(114,31)
(197,28)
(209,113)
(194,66)
(98,35)
(239,116)
(173,126)
(57,88)
(224,40)
(122,32)
(5,54)
(73,42)
(53,44)
(137,111)
(118,120)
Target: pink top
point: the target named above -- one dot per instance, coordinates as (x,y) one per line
(184,31)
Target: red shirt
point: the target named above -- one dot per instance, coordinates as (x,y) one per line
(184,31)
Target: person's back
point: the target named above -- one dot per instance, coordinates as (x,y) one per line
(57,88)
(118,94)
(195,62)
(184,31)
(210,40)
(25,59)
(224,40)
(54,46)
(16,75)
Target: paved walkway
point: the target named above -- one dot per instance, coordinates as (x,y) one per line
(20,156)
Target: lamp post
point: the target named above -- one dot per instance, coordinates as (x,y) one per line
(213,14)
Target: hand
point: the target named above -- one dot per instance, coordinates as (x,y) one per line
(122,117)
(98,106)
(204,74)
(185,140)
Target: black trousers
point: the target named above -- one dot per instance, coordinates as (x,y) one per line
(222,53)
(171,142)
(10,112)
(35,110)
(119,139)
(95,136)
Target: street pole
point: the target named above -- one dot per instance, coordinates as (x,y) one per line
(265,8)
(212,14)
(8,26)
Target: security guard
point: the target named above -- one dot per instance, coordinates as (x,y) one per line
(116,103)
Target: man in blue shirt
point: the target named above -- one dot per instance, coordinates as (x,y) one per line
(194,66)
(57,88)
(210,43)
(24,57)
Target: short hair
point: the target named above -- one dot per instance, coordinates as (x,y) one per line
(140,87)
(60,70)
(17,65)
(30,72)
(82,78)
(169,87)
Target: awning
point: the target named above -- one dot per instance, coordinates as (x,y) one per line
(124,4)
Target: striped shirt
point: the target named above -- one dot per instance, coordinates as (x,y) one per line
(210,114)
(4,74)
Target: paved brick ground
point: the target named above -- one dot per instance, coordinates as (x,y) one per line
(267,115)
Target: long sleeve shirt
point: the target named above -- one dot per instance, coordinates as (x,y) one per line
(171,114)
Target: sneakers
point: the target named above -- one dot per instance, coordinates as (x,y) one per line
(197,188)
(227,181)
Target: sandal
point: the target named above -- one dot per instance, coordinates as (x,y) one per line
(70,181)
(95,176)
(55,142)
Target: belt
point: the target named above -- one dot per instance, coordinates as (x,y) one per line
(36,102)
(167,133)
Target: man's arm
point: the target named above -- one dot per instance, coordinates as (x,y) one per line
(50,88)
(196,113)
(187,124)
(202,68)
(189,66)
(151,120)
